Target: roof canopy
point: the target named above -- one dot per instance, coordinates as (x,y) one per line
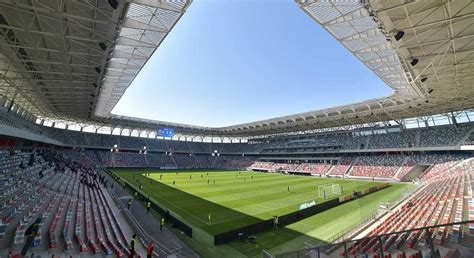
(73,60)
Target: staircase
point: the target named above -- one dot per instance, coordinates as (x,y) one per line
(367,142)
(400,168)
(351,166)
(417,138)
(329,170)
(96,154)
(113,158)
(415,172)
(174,161)
(468,137)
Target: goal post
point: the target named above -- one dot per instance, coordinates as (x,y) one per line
(328,190)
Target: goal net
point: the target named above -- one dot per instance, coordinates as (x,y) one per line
(327,190)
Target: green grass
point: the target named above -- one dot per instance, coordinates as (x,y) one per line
(323,226)
(236,199)
(234,203)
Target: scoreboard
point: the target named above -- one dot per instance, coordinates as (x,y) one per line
(165,132)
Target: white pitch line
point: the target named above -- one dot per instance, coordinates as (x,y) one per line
(267,208)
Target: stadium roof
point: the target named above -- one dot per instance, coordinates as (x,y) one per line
(73,60)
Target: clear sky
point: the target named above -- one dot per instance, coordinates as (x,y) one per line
(236,61)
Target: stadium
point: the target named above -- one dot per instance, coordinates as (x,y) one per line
(391,176)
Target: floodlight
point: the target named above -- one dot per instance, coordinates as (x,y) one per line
(102,46)
(113,3)
(399,35)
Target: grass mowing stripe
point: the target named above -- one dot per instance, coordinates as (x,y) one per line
(320,227)
(193,201)
(286,207)
(237,187)
(178,207)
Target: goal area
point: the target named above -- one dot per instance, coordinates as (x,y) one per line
(327,190)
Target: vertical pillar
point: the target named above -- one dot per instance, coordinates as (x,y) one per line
(453,119)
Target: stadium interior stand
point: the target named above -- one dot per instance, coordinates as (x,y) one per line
(445,198)
(48,200)
(379,139)
(377,166)
(382,166)
(436,136)
(66,202)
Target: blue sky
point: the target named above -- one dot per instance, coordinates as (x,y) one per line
(236,61)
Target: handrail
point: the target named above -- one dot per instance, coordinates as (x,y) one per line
(393,203)
(378,236)
(143,234)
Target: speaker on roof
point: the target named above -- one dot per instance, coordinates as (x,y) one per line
(102,46)
(414,61)
(399,35)
(113,3)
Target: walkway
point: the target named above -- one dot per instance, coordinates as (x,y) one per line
(171,244)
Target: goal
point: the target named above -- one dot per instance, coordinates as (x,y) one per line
(327,190)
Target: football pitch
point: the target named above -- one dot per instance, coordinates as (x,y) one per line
(218,201)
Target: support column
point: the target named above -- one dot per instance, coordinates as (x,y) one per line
(453,119)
